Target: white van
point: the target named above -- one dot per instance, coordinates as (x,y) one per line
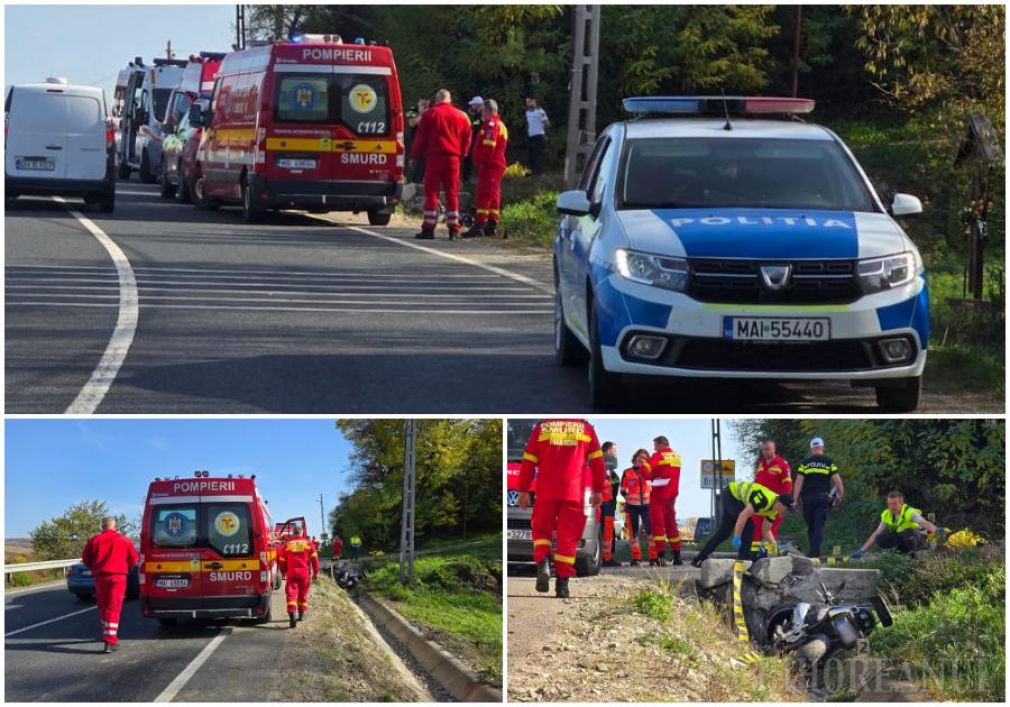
(59,141)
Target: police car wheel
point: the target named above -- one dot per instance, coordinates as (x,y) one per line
(902,398)
(568,351)
(604,387)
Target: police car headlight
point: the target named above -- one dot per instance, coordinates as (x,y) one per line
(658,271)
(879,274)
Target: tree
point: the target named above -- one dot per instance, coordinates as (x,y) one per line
(64,537)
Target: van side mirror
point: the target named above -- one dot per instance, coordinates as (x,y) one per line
(574,203)
(905,205)
(195,116)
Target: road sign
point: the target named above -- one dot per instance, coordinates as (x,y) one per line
(710,472)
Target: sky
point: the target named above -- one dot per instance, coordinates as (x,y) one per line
(53,464)
(89,44)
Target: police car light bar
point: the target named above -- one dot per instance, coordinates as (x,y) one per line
(716,105)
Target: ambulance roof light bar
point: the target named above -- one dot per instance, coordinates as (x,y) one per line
(655,106)
(317,39)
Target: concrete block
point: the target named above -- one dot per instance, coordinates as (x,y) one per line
(717,571)
(772,570)
(802,566)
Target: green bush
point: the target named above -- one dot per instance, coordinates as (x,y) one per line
(534,221)
(654,605)
(20,579)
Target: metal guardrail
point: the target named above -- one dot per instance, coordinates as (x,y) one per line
(47,565)
(393,557)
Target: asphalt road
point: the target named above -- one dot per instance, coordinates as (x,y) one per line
(304,315)
(62,661)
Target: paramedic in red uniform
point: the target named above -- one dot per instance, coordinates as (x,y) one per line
(110,555)
(442,140)
(338,547)
(664,476)
(297,559)
(774,474)
(559,451)
(489,158)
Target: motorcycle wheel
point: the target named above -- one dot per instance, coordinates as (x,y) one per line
(814,649)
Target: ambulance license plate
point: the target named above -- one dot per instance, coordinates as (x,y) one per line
(285,163)
(519,534)
(776,328)
(37,164)
(172,582)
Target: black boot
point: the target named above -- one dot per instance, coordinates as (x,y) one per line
(453,234)
(544,576)
(472,232)
(561,588)
(676,558)
(426,234)
(108,647)
(636,563)
(696,562)
(292,621)
(489,228)
(653,563)
(301,615)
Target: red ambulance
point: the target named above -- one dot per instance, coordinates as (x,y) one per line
(207,550)
(314,124)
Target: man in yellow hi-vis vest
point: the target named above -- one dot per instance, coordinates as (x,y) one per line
(900,527)
(741,501)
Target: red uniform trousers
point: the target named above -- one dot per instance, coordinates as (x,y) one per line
(568,520)
(296,589)
(663,518)
(441,172)
(759,526)
(110,590)
(488,198)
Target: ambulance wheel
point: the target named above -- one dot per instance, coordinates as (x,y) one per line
(901,398)
(604,386)
(167,621)
(379,218)
(124,170)
(267,617)
(250,214)
(146,175)
(197,196)
(568,351)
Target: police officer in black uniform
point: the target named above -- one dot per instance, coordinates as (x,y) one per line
(819,488)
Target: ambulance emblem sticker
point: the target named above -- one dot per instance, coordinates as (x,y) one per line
(305,97)
(362,98)
(175,524)
(226,523)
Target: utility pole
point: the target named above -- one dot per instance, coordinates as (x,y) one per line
(796,50)
(407,523)
(168,51)
(322,520)
(582,90)
(239,27)
(717,458)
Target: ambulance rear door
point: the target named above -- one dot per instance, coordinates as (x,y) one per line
(231,562)
(172,565)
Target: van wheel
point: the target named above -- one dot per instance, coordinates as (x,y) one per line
(167,621)
(267,617)
(167,188)
(146,175)
(197,196)
(250,214)
(106,203)
(379,218)
(124,170)
(902,398)
(604,386)
(182,190)
(590,566)
(568,351)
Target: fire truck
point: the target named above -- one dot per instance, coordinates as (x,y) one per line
(518,533)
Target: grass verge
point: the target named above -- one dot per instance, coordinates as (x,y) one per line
(456,601)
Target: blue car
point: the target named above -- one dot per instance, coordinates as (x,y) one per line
(722,238)
(81,582)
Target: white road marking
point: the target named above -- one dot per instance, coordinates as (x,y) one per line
(91,395)
(170,692)
(235,272)
(43,623)
(458,258)
(377,290)
(275,296)
(336,310)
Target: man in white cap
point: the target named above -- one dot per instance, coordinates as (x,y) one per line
(476,110)
(814,479)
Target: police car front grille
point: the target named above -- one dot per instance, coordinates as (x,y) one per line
(739,282)
(720,355)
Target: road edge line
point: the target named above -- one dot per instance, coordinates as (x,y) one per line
(450,672)
(180,680)
(97,387)
(48,621)
(529,281)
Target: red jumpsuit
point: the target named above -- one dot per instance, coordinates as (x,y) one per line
(338,548)
(664,476)
(298,560)
(110,555)
(559,450)
(489,157)
(442,139)
(774,475)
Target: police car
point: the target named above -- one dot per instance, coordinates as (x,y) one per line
(724,238)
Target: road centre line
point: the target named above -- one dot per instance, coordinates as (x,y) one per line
(333,310)
(91,395)
(49,621)
(180,680)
